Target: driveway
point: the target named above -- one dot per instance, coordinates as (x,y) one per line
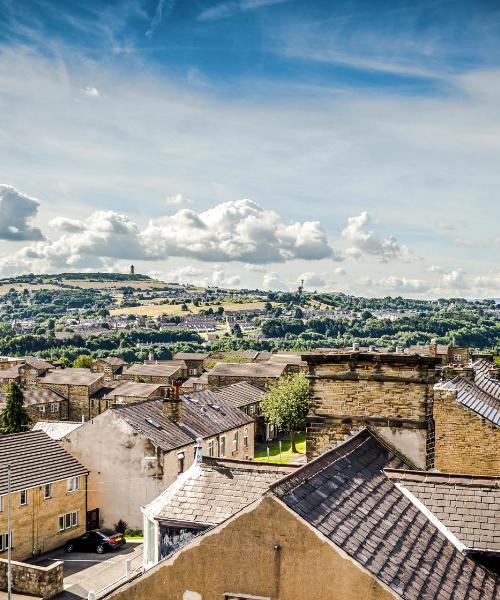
(86,572)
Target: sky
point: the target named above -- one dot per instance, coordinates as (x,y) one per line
(254,143)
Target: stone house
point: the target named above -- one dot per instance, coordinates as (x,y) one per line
(48,494)
(32,369)
(135,451)
(262,374)
(448,354)
(10,375)
(338,528)
(42,403)
(195,362)
(466,418)
(111,366)
(123,391)
(78,385)
(208,493)
(165,372)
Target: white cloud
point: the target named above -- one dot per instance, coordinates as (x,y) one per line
(312,280)
(339,271)
(238,230)
(16,212)
(187,274)
(455,279)
(67,225)
(273,281)
(177,200)
(397,284)
(366,241)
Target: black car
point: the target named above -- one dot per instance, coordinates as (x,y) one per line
(98,541)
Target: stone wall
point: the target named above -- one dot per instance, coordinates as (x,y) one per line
(353,390)
(44,582)
(35,526)
(465,442)
(265,551)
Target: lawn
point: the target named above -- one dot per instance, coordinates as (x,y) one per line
(286,453)
(151,310)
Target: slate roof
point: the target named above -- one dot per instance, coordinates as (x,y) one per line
(153,370)
(71,376)
(204,415)
(33,396)
(37,363)
(190,356)
(346,496)
(11,373)
(57,429)
(247,370)
(472,396)
(488,384)
(36,459)
(210,493)
(241,394)
(468,506)
(114,361)
(131,388)
(482,366)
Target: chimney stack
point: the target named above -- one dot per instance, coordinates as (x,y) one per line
(199,450)
(172,404)
(433,347)
(151,355)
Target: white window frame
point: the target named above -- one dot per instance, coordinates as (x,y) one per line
(235,443)
(211,448)
(54,407)
(245,437)
(73,484)
(47,491)
(222,446)
(23,493)
(41,408)
(68,520)
(4,541)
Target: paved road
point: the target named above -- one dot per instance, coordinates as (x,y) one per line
(85,572)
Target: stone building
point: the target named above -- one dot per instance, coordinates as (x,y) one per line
(111,366)
(42,403)
(32,369)
(338,528)
(467,426)
(78,385)
(48,494)
(124,392)
(165,372)
(135,451)
(388,392)
(195,362)
(208,493)
(262,374)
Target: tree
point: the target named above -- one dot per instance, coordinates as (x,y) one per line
(14,417)
(83,361)
(237,332)
(286,404)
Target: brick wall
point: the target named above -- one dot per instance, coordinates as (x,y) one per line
(45,582)
(35,526)
(464,442)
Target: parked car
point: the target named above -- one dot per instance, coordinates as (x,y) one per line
(98,541)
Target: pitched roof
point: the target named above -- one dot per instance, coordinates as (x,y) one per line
(153,370)
(37,363)
(241,394)
(467,505)
(71,376)
(190,356)
(130,388)
(36,459)
(11,373)
(204,415)
(488,384)
(481,365)
(57,429)
(247,370)
(210,493)
(33,396)
(472,396)
(114,361)
(346,496)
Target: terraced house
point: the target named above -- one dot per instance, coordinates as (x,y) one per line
(47,494)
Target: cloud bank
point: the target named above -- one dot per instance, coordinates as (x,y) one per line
(16,212)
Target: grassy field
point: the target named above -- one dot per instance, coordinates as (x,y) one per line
(152,310)
(85,284)
(286,452)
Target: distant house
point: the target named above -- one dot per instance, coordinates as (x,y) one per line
(42,403)
(124,391)
(342,527)
(78,385)
(135,451)
(208,493)
(10,375)
(48,494)
(32,369)
(263,374)
(195,362)
(165,372)
(111,366)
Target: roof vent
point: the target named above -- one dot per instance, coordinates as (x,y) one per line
(153,422)
(215,406)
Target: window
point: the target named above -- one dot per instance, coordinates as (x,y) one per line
(4,541)
(245,437)
(235,441)
(73,484)
(54,407)
(68,521)
(47,491)
(251,410)
(180,463)
(222,451)
(458,357)
(41,408)
(211,448)
(23,497)
(1,503)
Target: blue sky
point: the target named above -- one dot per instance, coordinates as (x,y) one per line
(254,142)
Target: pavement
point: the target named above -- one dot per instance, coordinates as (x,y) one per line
(86,572)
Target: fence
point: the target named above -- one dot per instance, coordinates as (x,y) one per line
(133,568)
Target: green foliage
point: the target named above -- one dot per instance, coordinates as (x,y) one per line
(83,361)
(286,404)
(14,417)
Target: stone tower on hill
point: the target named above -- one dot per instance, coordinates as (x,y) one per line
(132,270)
